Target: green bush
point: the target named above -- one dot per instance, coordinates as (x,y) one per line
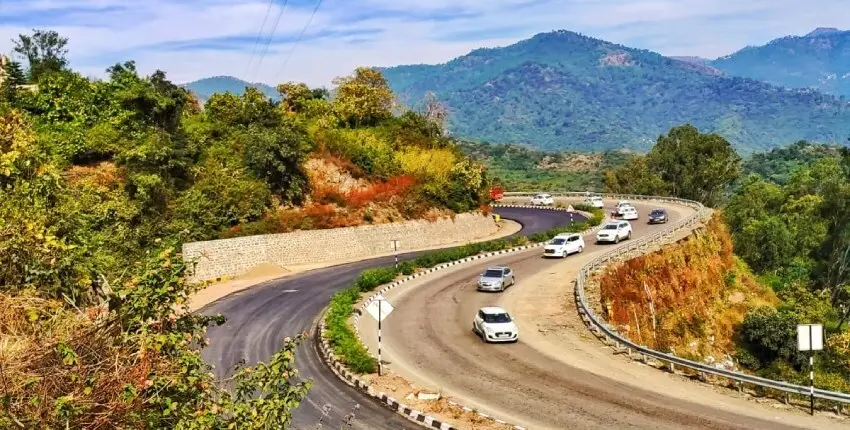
(343,340)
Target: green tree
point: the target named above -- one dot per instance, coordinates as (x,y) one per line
(634,177)
(364,98)
(695,166)
(44,50)
(277,156)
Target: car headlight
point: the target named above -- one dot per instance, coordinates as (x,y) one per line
(488,330)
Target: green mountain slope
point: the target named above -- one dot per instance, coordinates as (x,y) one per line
(204,88)
(564,91)
(820,60)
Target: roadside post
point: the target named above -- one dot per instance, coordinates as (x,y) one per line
(810,338)
(379,308)
(395,243)
(571,211)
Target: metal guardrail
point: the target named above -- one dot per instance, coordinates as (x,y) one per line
(594,321)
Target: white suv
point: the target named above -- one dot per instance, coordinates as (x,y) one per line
(542,199)
(614,232)
(618,209)
(494,324)
(563,245)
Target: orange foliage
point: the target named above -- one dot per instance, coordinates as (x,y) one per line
(380,192)
(699,291)
(104,174)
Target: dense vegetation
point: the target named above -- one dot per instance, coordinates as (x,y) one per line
(794,235)
(563,91)
(521,168)
(819,60)
(344,342)
(101,180)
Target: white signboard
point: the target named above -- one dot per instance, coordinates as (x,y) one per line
(570,208)
(386,308)
(809,337)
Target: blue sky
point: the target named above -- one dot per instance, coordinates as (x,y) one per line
(191,39)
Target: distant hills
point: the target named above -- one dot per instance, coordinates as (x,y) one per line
(206,87)
(820,60)
(565,91)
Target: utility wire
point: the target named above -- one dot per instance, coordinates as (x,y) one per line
(303,30)
(271,36)
(257,41)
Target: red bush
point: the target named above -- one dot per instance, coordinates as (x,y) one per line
(381,192)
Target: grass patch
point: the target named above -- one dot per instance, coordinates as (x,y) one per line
(342,338)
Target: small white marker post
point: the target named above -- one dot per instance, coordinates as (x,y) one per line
(570,210)
(395,243)
(810,338)
(379,309)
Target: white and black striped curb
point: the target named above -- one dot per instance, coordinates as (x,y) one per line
(351,379)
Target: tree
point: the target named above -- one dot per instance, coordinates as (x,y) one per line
(695,166)
(293,96)
(634,177)
(363,99)
(44,50)
(12,76)
(277,156)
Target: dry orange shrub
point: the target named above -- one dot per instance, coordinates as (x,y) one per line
(699,292)
(380,192)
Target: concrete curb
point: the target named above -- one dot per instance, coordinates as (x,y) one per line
(351,379)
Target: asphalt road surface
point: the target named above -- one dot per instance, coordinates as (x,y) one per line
(260,317)
(515,381)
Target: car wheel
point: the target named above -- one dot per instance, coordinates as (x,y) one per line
(617,239)
(629,235)
(580,249)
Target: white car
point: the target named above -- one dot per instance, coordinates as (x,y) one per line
(614,232)
(618,208)
(630,213)
(542,199)
(563,245)
(494,324)
(595,201)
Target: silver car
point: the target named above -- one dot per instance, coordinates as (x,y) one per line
(496,278)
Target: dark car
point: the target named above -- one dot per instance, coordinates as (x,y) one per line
(658,216)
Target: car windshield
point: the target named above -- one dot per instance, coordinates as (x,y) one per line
(497,318)
(558,241)
(492,273)
(658,212)
(610,227)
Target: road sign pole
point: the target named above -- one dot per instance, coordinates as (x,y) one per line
(380,365)
(811,373)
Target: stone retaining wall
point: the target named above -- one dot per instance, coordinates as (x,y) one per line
(233,257)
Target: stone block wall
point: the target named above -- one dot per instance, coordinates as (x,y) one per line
(233,257)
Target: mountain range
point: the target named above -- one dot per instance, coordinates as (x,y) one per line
(204,88)
(566,91)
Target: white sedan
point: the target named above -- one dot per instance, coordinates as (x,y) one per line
(542,200)
(595,201)
(629,213)
(563,245)
(494,324)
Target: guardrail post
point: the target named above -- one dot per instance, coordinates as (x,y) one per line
(672,366)
(787,398)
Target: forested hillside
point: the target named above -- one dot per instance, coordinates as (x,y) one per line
(794,235)
(564,91)
(819,60)
(100,181)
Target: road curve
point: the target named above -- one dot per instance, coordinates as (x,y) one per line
(516,382)
(260,317)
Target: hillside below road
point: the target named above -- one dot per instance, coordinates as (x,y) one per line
(429,340)
(260,317)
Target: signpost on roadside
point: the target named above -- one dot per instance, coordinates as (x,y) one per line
(571,211)
(379,308)
(810,338)
(395,244)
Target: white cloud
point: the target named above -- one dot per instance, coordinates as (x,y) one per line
(401,30)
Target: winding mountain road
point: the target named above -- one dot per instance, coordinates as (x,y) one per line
(260,317)
(524,383)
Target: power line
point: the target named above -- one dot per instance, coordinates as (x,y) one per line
(259,35)
(303,30)
(271,36)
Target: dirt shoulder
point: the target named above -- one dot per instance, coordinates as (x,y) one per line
(266,272)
